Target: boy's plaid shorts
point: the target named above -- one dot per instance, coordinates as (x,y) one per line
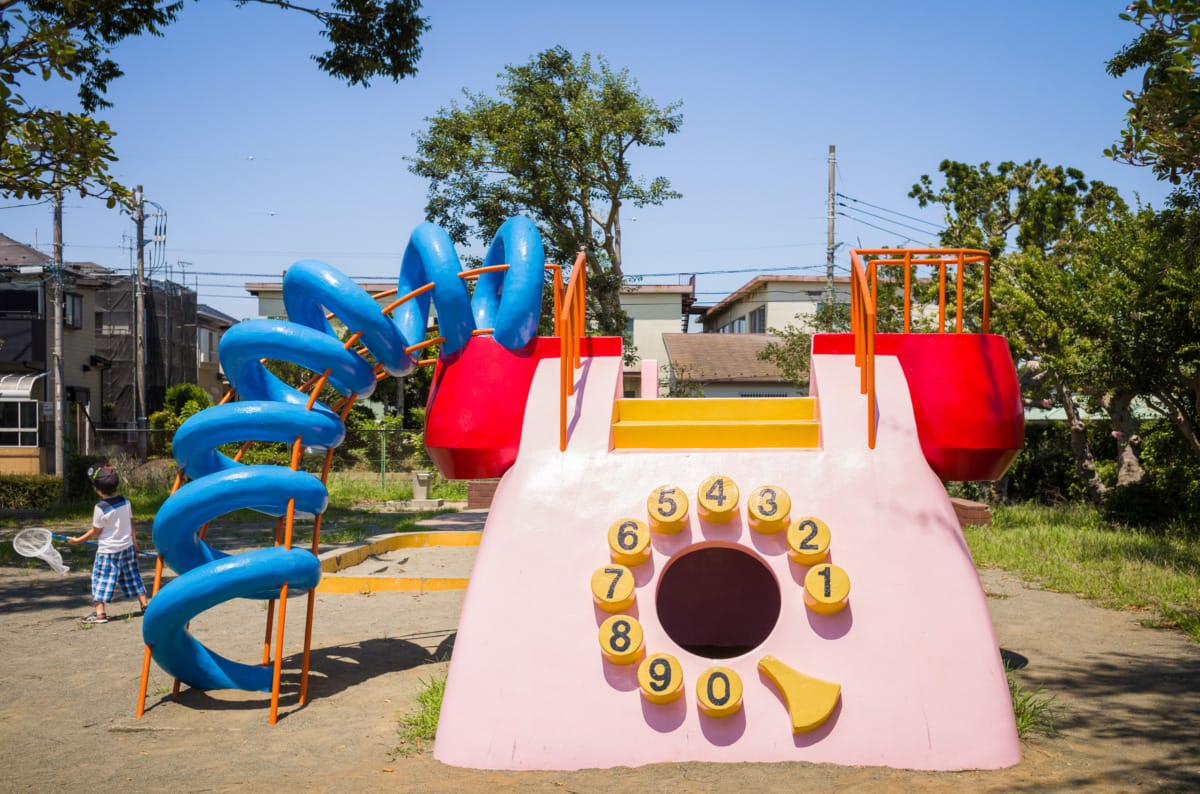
(109,569)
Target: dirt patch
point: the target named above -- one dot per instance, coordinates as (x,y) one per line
(1128,703)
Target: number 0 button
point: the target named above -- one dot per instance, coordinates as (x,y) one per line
(719,692)
(629,541)
(826,588)
(660,678)
(667,507)
(621,639)
(717,499)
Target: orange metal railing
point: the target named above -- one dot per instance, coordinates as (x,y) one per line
(570,323)
(864,301)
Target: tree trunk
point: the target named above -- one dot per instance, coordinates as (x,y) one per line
(1084,462)
(1180,419)
(1129,468)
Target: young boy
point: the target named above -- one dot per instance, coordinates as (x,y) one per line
(116,555)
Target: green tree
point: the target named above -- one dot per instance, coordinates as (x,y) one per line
(1162,125)
(555,146)
(44,149)
(1041,224)
(791,350)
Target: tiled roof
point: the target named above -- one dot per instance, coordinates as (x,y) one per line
(721,357)
(14,254)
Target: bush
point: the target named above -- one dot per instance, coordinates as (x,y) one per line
(29,492)
(1045,470)
(1169,492)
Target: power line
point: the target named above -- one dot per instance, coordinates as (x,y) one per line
(937,226)
(873,226)
(885,220)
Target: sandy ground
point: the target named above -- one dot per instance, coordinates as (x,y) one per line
(1127,701)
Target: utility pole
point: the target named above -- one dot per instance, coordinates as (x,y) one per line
(58,387)
(830,291)
(139,323)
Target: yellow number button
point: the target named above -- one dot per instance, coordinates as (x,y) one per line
(629,541)
(660,678)
(808,540)
(769,508)
(667,507)
(719,692)
(717,499)
(621,639)
(612,588)
(826,588)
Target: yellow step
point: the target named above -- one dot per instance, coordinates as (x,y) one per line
(716,408)
(716,434)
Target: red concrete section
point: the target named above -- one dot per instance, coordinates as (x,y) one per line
(965,397)
(477,403)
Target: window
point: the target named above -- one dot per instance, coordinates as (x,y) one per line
(73,311)
(758,320)
(739,325)
(18,423)
(21,301)
(629,328)
(208,346)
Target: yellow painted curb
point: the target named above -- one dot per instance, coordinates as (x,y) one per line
(404,540)
(345,585)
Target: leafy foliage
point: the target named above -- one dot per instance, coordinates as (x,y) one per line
(44,150)
(553,145)
(1162,126)
(180,402)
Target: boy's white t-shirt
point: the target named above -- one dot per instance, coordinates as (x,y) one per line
(115,519)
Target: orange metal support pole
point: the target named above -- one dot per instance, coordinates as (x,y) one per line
(158,573)
(907,292)
(987,268)
(941,297)
(959,298)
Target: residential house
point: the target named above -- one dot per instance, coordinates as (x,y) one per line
(652,311)
(767,302)
(211,325)
(98,356)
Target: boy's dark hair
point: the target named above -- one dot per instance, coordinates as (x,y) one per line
(105,479)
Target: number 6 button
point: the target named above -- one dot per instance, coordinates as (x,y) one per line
(629,542)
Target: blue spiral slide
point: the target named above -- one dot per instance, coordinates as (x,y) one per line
(270,410)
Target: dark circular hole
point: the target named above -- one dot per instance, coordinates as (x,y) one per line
(717,602)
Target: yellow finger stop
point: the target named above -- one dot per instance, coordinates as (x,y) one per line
(810,701)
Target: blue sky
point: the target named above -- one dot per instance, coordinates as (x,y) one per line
(260,159)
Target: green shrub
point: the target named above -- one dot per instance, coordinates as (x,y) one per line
(29,492)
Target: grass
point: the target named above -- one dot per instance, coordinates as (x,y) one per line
(1071,549)
(1032,708)
(420,728)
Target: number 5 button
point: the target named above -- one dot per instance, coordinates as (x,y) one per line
(667,507)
